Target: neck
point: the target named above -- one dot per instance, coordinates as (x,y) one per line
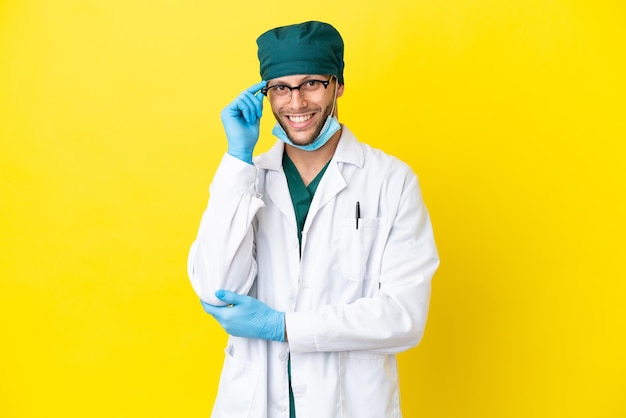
(309,163)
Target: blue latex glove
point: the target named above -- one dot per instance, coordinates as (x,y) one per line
(241,120)
(247,317)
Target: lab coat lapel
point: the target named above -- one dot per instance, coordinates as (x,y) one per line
(348,152)
(278,192)
(275,181)
(332,183)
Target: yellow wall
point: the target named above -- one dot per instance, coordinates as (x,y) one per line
(512,113)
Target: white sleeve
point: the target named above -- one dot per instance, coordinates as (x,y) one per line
(223,253)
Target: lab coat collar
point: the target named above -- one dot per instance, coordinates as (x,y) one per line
(348,151)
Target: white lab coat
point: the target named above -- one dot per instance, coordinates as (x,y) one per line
(352,300)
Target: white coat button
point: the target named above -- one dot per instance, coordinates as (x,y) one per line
(283,355)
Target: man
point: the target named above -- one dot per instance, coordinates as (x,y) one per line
(315,257)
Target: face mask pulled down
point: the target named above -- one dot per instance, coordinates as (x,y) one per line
(328,130)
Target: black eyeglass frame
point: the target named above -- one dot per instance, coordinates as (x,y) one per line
(266,89)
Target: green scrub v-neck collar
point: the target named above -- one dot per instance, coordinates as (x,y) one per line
(301,195)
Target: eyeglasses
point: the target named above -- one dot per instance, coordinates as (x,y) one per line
(309,90)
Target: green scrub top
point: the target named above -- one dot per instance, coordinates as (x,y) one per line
(301,195)
(301,198)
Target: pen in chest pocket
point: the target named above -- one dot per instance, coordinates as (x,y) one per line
(357,214)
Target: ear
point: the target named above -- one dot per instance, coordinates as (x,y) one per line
(339,90)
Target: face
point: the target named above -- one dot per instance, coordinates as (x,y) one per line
(301,118)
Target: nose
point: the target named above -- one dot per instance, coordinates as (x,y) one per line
(297,98)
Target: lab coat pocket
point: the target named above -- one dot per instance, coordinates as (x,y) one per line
(356,247)
(238,383)
(370,385)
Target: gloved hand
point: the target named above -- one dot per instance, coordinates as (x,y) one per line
(247,317)
(241,120)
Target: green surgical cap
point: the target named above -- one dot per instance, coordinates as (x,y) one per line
(304,48)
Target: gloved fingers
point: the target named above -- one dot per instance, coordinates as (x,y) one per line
(256,88)
(210,309)
(248,103)
(254,92)
(231,298)
(258,99)
(249,106)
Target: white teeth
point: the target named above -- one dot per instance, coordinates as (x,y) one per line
(300,119)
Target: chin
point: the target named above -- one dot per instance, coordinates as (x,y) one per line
(302,142)
(303,139)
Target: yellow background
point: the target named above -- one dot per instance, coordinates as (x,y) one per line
(511,112)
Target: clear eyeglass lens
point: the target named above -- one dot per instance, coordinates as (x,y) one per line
(311,90)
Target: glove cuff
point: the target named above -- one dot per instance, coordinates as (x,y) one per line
(278,333)
(243,155)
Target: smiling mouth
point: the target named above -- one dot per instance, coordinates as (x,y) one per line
(300,118)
